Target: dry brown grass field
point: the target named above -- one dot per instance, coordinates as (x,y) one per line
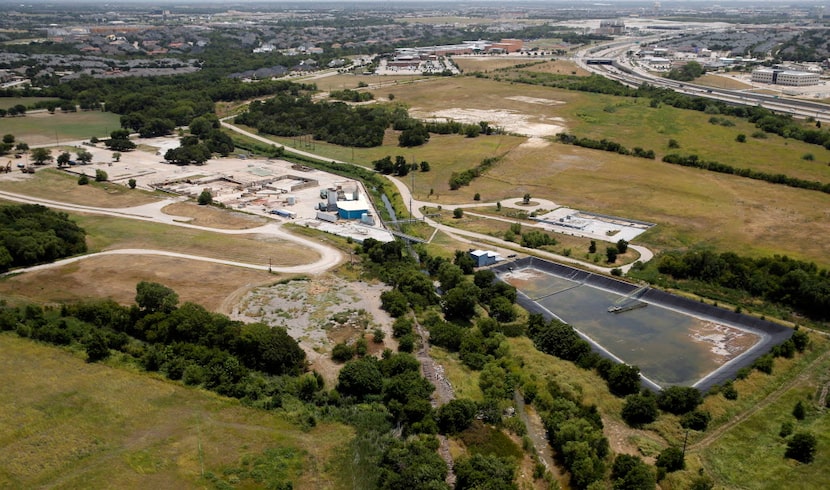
(690,206)
(562,67)
(107,427)
(212,217)
(719,81)
(470,64)
(57,185)
(115,277)
(108,233)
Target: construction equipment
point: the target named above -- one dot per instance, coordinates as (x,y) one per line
(7,168)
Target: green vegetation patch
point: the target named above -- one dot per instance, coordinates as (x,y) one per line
(97,425)
(44,128)
(483,439)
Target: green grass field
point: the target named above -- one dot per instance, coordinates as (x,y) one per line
(69,424)
(43,128)
(6,102)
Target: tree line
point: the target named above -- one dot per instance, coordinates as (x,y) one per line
(713,166)
(32,234)
(460,179)
(604,145)
(779,279)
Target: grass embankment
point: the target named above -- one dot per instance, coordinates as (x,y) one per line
(750,453)
(42,128)
(54,184)
(96,425)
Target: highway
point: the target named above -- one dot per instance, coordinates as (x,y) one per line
(626,71)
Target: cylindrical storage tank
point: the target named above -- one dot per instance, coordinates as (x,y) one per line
(332,198)
(291,200)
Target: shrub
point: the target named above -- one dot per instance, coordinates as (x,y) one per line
(679,399)
(695,420)
(671,459)
(802,447)
(342,352)
(83,180)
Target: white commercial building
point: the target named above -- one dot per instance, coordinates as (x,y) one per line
(785,77)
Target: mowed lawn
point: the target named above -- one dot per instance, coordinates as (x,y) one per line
(42,128)
(69,424)
(6,102)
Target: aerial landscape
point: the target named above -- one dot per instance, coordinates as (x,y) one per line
(415,245)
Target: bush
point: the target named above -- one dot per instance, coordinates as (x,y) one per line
(802,447)
(799,411)
(406,343)
(342,352)
(83,180)
(639,409)
(205,198)
(671,459)
(457,213)
(679,399)
(729,391)
(695,420)
(101,176)
(786,428)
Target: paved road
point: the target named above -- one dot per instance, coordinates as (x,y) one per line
(469,236)
(329,256)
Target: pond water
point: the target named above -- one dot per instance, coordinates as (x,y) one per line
(669,347)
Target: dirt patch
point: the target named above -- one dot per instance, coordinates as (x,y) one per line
(535,100)
(511,121)
(319,313)
(214,218)
(725,343)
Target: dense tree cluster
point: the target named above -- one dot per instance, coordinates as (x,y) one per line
(337,122)
(399,166)
(348,95)
(31,234)
(184,342)
(713,166)
(779,279)
(575,432)
(687,72)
